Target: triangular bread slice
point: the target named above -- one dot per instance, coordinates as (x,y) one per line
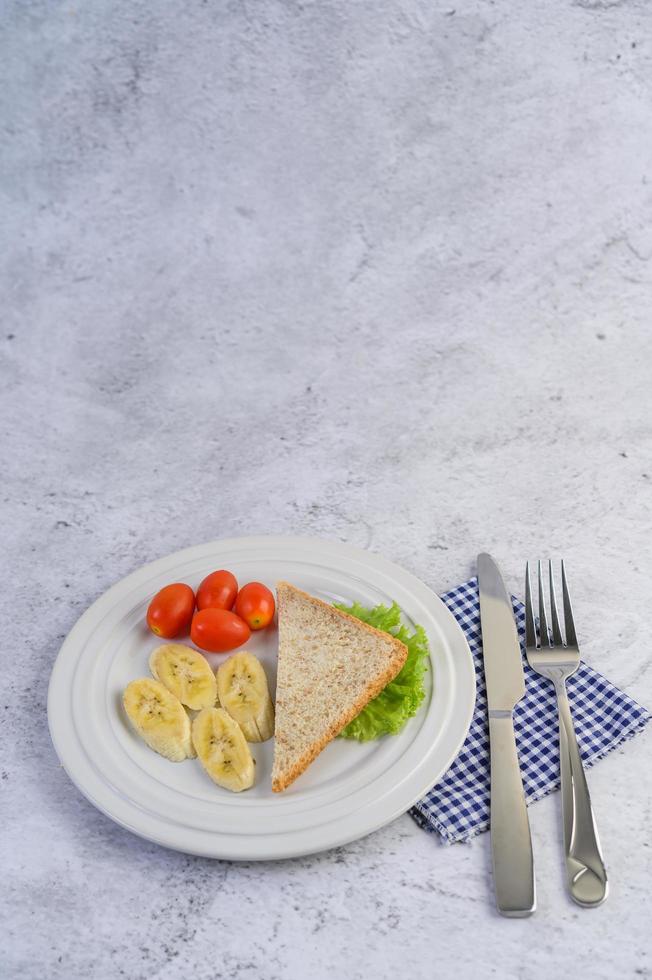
(330,665)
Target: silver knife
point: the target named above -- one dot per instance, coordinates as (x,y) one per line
(511,844)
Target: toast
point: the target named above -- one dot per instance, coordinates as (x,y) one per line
(330,665)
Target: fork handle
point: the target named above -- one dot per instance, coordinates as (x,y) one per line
(511,844)
(587,877)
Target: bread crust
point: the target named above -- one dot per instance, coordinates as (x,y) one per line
(374,688)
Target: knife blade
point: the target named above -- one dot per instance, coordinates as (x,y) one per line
(511,843)
(503,668)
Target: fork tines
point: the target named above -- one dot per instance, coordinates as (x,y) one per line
(544,638)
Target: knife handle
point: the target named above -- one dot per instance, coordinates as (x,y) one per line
(511,844)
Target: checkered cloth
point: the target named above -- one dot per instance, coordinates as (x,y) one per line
(457,808)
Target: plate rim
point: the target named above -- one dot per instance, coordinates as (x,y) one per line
(159,565)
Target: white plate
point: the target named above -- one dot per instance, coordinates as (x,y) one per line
(350,790)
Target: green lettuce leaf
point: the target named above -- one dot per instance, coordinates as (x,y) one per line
(400,700)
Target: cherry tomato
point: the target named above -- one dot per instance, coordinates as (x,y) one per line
(170,611)
(255,604)
(217,591)
(218,630)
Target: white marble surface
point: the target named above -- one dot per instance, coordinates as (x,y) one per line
(374,271)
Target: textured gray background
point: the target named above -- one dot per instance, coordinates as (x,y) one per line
(374,271)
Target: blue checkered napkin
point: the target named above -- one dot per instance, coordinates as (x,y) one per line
(457,808)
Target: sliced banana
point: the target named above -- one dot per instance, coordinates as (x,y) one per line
(185,673)
(243,692)
(159,718)
(222,750)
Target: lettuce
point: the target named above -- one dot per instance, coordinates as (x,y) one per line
(389,711)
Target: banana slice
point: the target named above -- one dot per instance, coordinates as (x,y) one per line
(159,718)
(222,749)
(243,692)
(185,673)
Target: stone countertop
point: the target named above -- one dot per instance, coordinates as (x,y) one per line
(377,272)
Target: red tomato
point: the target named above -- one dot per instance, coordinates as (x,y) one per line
(218,630)
(255,604)
(217,591)
(170,611)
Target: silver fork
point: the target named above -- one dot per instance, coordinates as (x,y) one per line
(555,659)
